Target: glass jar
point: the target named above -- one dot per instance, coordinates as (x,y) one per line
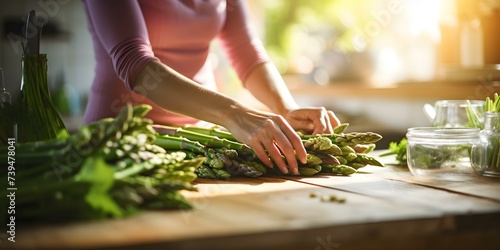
(453,154)
(456,113)
(490,135)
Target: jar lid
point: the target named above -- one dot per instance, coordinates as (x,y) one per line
(443,133)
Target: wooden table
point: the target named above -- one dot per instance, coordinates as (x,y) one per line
(384,208)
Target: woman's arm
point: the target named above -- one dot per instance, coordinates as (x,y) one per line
(120,27)
(261,131)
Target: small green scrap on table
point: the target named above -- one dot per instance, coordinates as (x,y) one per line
(328,198)
(399,150)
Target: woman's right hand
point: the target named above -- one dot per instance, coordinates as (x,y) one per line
(269,135)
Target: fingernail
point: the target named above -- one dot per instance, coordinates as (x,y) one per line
(285,171)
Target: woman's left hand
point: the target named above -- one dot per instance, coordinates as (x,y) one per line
(312,120)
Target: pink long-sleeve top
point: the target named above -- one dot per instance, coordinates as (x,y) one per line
(127,34)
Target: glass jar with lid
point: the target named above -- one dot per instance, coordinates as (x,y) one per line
(453,154)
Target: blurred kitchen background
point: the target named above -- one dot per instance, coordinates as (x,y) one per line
(374,62)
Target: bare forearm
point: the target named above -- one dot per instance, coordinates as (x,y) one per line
(266,84)
(265,133)
(177,93)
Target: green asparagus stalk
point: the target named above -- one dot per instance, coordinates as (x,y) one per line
(211,141)
(339,169)
(313,160)
(247,168)
(348,139)
(367,160)
(205,172)
(323,145)
(340,128)
(309,171)
(214,131)
(221,161)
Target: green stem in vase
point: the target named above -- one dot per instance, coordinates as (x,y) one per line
(489,153)
(37,117)
(496,153)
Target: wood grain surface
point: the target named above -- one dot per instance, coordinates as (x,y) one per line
(384,208)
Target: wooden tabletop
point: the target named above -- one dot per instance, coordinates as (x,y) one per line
(382,208)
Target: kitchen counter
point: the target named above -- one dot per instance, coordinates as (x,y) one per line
(478,89)
(376,208)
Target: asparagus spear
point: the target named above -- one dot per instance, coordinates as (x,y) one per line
(211,141)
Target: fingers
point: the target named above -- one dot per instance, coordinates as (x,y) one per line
(314,120)
(275,155)
(295,141)
(334,120)
(324,120)
(290,146)
(282,144)
(302,125)
(272,138)
(262,155)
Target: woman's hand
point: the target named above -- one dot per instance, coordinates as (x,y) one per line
(267,85)
(312,120)
(269,135)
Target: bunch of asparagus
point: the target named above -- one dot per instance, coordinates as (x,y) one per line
(110,168)
(223,157)
(336,154)
(37,118)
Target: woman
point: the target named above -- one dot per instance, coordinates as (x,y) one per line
(155,52)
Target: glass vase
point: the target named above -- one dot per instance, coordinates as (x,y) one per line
(490,135)
(37,117)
